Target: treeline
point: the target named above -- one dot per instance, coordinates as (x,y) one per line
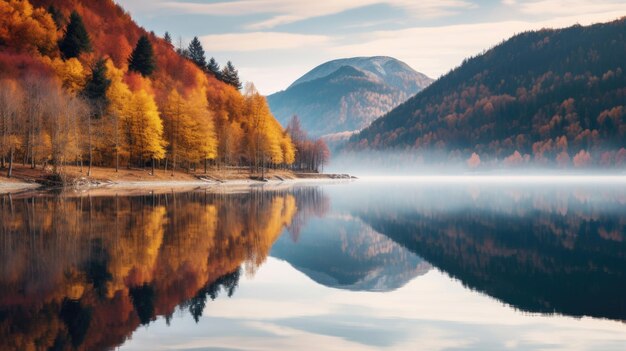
(195,53)
(74,92)
(311,154)
(549,97)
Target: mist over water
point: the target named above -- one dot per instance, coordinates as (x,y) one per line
(404,163)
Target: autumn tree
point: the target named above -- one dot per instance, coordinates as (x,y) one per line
(24,28)
(76,39)
(11,104)
(189,128)
(118,112)
(142,59)
(309,155)
(64,114)
(144,129)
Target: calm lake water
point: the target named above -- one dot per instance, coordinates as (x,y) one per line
(397,264)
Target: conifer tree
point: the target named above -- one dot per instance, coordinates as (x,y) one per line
(76,39)
(214,68)
(98,83)
(168,38)
(142,58)
(196,53)
(95,92)
(230,75)
(57,16)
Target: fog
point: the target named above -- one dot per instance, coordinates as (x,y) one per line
(377,164)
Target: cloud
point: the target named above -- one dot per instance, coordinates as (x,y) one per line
(288,11)
(435,50)
(568,7)
(261,41)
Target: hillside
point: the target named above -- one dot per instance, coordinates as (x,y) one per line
(549,97)
(82,83)
(347,94)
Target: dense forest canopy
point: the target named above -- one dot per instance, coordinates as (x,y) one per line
(151,102)
(548,97)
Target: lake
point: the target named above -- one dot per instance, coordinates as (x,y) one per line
(388,263)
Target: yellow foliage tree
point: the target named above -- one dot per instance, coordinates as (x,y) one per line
(144,128)
(71,73)
(189,127)
(119,97)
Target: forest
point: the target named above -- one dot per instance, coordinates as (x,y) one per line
(553,98)
(81,84)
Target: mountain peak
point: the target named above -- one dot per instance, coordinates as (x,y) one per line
(347,94)
(375,66)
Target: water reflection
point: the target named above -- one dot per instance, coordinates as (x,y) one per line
(343,252)
(549,249)
(85,271)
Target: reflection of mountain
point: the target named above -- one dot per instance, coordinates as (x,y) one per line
(347,254)
(84,272)
(545,252)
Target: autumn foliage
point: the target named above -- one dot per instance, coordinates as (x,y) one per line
(173,114)
(550,98)
(117,262)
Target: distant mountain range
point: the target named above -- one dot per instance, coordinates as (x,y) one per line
(550,97)
(347,95)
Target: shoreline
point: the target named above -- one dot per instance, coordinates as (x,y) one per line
(27,179)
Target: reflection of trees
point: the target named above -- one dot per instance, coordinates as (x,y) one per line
(539,253)
(228,283)
(310,202)
(84,271)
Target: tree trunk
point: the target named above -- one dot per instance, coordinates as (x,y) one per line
(173,164)
(205,165)
(90,153)
(10,171)
(153,166)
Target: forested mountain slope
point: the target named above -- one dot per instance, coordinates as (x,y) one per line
(551,97)
(347,94)
(87,84)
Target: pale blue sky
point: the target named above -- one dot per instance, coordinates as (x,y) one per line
(273,42)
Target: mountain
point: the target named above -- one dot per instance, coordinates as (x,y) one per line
(347,94)
(345,253)
(553,97)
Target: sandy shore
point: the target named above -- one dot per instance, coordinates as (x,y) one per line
(106,179)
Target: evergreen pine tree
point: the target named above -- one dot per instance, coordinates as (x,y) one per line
(230,75)
(98,83)
(214,68)
(142,58)
(196,53)
(76,39)
(57,16)
(167,38)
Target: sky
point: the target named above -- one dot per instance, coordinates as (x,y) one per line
(274,42)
